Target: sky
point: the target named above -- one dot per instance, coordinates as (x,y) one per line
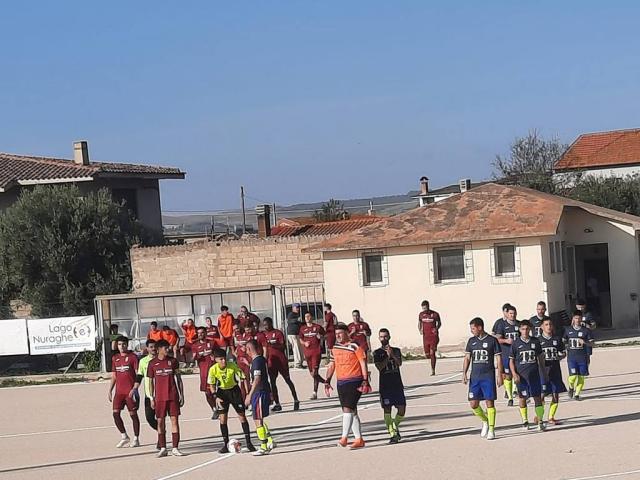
(300,101)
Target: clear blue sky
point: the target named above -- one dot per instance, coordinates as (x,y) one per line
(306,100)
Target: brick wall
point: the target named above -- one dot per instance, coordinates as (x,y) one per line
(230,264)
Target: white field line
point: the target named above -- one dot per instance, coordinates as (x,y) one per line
(195,467)
(605,475)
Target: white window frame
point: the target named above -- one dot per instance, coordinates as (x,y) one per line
(467,255)
(516,261)
(362,268)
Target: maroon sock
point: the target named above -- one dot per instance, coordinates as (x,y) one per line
(119,423)
(136,424)
(162,440)
(175,439)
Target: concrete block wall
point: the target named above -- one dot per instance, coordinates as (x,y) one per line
(229,264)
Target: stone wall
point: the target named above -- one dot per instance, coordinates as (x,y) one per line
(229,264)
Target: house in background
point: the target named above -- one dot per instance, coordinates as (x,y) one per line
(472,252)
(601,154)
(136,185)
(426,196)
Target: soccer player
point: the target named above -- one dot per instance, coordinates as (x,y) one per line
(480,352)
(429,324)
(167,396)
(213,334)
(202,350)
(554,351)
(240,340)
(388,360)
(330,320)
(259,397)
(527,361)
(123,377)
(277,363)
(142,379)
(359,331)
(155,333)
(223,380)
(245,317)
(506,331)
(225,325)
(311,335)
(577,339)
(349,363)
(588,321)
(170,336)
(190,336)
(537,320)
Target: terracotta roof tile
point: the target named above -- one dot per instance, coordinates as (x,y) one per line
(323,228)
(602,149)
(488,212)
(22,168)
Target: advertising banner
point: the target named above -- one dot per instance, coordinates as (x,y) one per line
(13,337)
(61,335)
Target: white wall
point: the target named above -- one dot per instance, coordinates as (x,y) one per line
(569,177)
(396,305)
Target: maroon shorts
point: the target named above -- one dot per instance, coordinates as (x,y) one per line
(313,361)
(429,344)
(167,407)
(278,364)
(122,399)
(330,338)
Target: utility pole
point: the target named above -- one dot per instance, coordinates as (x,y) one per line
(244,213)
(275,215)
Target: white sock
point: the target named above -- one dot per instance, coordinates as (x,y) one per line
(124,436)
(347,421)
(355,427)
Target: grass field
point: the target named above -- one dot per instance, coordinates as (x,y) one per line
(66,432)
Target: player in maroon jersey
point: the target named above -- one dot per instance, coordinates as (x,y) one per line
(330,321)
(359,331)
(429,324)
(240,339)
(124,366)
(167,396)
(311,335)
(213,334)
(202,350)
(277,363)
(245,317)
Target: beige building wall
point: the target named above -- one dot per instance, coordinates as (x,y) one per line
(410,280)
(231,264)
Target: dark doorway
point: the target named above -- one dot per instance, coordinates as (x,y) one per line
(592,275)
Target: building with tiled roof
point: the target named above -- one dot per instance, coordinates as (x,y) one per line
(474,251)
(295,228)
(135,185)
(604,154)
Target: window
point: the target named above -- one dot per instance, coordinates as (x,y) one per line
(505,259)
(556,257)
(552,257)
(559,266)
(373,269)
(450,264)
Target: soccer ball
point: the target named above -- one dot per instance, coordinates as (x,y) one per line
(234,446)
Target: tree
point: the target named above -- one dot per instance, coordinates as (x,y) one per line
(530,162)
(59,249)
(622,194)
(330,211)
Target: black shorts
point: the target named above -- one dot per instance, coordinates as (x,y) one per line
(231,397)
(349,394)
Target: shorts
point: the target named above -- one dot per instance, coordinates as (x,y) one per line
(187,347)
(430,343)
(277,364)
(349,394)
(122,399)
(578,366)
(313,361)
(231,398)
(530,386)
(260,405)
(394,398)
(167,407)
(505,363)
(483,389)
(555,384)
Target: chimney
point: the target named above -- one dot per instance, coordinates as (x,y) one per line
(81,153)
(371,211)
(264,220)
(424,186)
(465,184)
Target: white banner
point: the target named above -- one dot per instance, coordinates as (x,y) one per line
(61,335)
(13,337)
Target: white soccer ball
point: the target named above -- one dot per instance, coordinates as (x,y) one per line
(234,446)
